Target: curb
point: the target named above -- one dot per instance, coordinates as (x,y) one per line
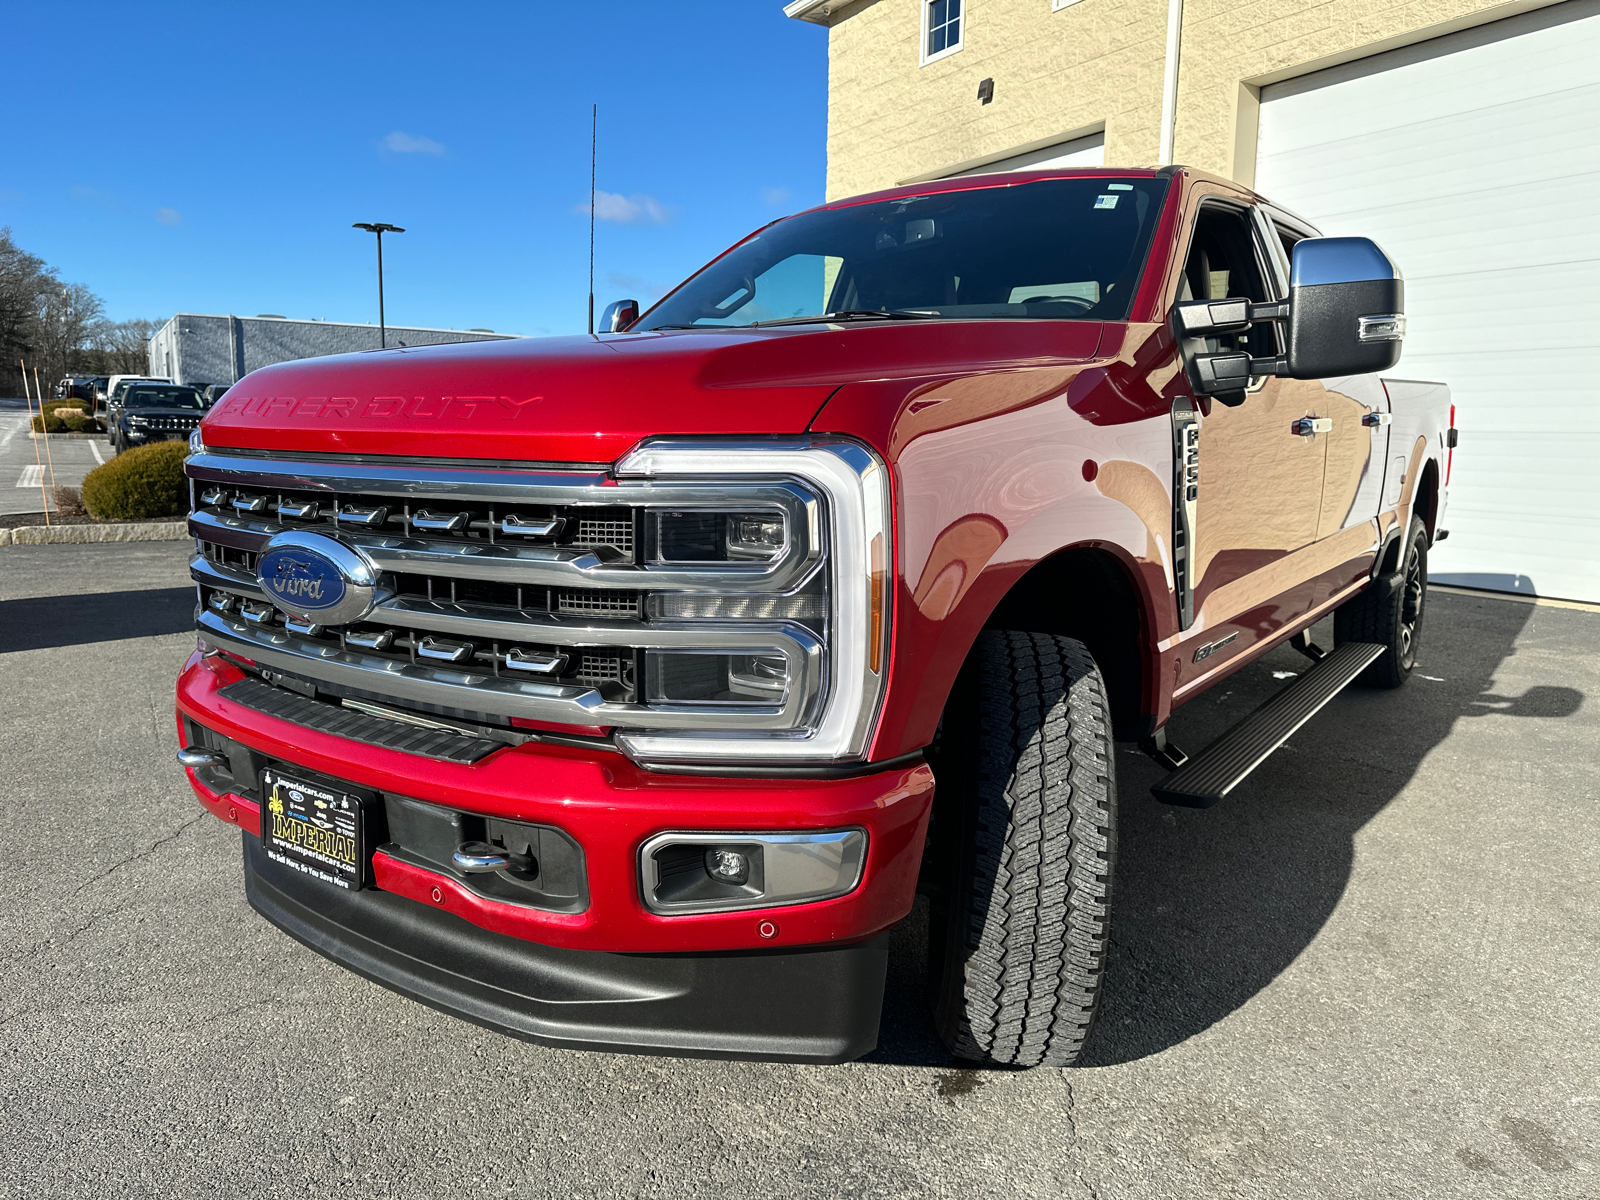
(80,437)
(56,535)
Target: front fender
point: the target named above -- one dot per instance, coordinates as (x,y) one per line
(993,473)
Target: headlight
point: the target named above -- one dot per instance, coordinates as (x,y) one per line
(197,444)
(812,654)
(138,422)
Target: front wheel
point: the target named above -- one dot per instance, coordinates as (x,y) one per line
(1389,613)
(1023,860)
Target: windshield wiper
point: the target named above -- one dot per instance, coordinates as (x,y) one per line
(853,314)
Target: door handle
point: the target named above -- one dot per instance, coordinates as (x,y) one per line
(1306,426)
(1375,419)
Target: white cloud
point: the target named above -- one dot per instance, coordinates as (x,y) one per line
(169,216)
(627,210)
(405,143)
(775,196)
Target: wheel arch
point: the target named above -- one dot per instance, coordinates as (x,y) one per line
(1089,593)
(1426,504)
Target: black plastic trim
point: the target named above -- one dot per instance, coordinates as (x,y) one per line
(285,705)
(811,1005)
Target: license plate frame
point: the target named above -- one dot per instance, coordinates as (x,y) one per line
(316,826)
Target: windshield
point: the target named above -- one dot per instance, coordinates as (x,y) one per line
(163,397)
(1055,248)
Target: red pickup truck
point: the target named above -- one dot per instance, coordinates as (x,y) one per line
(623,691)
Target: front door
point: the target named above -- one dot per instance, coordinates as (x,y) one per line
(1259,499)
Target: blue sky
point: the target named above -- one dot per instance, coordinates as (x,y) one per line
(211,158)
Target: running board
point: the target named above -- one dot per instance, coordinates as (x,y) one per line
(1218,769)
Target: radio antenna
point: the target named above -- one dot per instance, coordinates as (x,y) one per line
(594,141)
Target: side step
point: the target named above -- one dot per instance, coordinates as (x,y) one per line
(1218,769)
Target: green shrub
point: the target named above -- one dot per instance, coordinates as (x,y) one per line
(49,406)
(138,484)
(49,423)
(75,420)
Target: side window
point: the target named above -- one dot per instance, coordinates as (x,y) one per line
(1222,262)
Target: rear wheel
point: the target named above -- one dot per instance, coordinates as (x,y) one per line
(1023,852)
(1390,612)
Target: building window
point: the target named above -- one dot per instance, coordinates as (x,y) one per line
(941,28)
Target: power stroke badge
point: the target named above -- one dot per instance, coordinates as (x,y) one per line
(316,578)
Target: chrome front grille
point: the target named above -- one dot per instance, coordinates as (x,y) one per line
(163,424)
(517,594)
(609,531)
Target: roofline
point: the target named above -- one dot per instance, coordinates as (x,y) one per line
(967,183)
(345,324)
(815,11)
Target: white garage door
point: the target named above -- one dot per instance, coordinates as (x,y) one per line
(1079,152)
(1474,160)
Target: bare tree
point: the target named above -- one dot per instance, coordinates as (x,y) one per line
(66,314)
(120,347)
(23,279)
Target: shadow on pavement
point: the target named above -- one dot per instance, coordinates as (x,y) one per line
(1210,906)
(40,622)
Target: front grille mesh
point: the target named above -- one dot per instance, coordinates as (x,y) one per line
(617,534)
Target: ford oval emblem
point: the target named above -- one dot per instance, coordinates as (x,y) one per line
(317,579)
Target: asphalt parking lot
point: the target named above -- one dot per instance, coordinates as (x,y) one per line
(1373,971)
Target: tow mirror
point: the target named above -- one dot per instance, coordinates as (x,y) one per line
(1345,316)
(618,315)
(1346,309)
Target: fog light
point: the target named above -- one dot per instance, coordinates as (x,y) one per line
(727,866)
(715,872)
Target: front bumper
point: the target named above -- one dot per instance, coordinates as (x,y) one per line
(797,982)
(818,1004)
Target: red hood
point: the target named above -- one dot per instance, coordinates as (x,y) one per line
(588,400)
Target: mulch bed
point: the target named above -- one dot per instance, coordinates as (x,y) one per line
(21,520)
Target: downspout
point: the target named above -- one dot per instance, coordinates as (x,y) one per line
(1169,84)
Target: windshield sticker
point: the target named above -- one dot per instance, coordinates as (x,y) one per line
(1106,201)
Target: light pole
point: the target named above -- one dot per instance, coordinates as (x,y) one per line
(380,229)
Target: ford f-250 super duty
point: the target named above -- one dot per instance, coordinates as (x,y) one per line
(623,691)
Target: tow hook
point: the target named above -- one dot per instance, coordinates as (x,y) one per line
(481,857)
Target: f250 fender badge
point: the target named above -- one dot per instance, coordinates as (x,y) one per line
(1211,648)
(316,578)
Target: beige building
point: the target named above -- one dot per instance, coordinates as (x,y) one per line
(1461,134)
(1139,82)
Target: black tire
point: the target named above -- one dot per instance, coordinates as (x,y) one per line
(1390,612)
(1023,852)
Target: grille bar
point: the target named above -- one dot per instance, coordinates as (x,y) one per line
(509,625)
(474,687)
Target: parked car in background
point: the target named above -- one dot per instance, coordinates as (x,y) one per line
(114,384)
(153,412)
(215,392)
(80,387)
